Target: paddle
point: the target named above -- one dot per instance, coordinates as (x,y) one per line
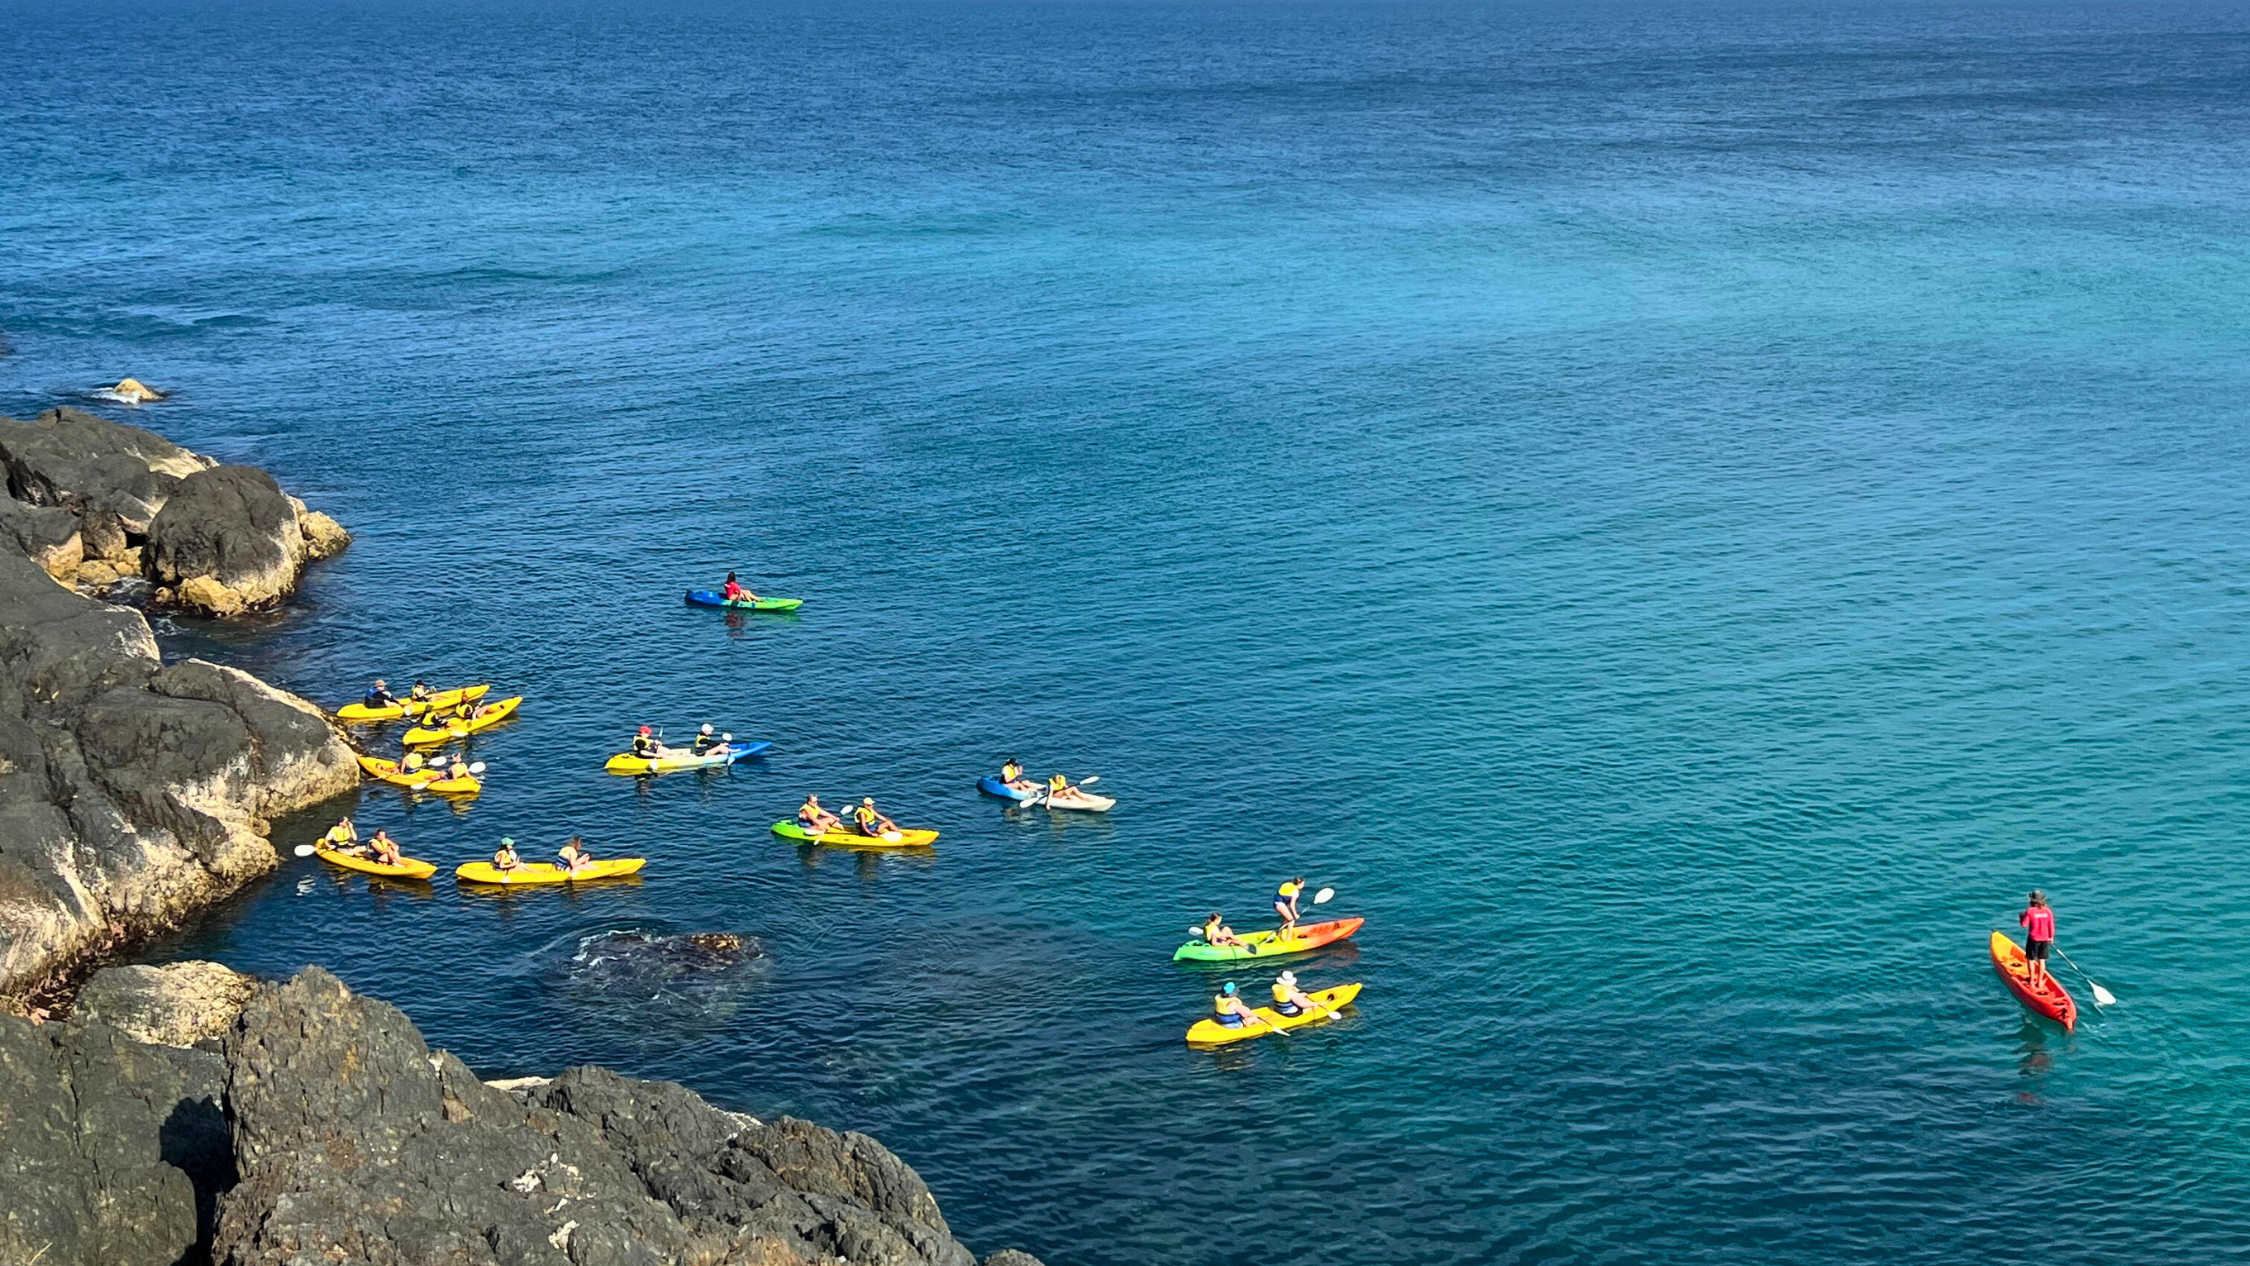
(304,850)
(2102,997)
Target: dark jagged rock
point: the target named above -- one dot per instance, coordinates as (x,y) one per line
(230,540)
(355,1143)
(74,459)
(132,793)
(111,1151)
(48,536)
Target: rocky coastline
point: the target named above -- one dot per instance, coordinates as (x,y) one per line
(301,1123)
(187,1114)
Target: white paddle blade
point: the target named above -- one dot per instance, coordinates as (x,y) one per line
(1088,782)
(1196,930)
(304,850)
(1322,897)
(477,768)
(2103,997)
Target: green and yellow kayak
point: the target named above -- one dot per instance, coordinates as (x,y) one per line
(546,872)
(1305,937)
(853,839)
(1209,1032)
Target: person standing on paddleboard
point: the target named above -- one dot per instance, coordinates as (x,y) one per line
(2039,937)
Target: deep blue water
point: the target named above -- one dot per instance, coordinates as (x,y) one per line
(1680,513)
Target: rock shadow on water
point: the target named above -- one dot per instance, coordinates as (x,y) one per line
(658,987)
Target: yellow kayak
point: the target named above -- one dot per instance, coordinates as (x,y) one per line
(1209,1032)
(419,780)
(407,867)
(410,707)
(489,715)
(853,839)
(546,872)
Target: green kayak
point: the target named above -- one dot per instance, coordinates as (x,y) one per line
(712,598)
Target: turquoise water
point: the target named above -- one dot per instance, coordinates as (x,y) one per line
(1680,514)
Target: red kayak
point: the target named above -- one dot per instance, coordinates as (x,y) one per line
(2050,1000)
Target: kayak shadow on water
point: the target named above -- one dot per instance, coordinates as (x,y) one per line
(1337,956)
(568,893)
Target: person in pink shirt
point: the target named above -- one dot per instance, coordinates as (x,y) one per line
(2039,937)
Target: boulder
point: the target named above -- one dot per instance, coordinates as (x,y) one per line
(111,1151)
(227,541)
(47,535)
(134,391)
(179,1004)
(73,459)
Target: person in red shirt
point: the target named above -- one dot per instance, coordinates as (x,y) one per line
(2039,937)
(734,591)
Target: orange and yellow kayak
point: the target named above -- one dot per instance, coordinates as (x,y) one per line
(2052,1001)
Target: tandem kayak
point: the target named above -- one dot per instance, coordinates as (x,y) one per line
(994,787)
(487,717)
(627,763)
(1306,936)
(713,598)
(410,707)
(1209,1032)
(2053,1001)
(419,780)
(853,839)
(407,867)
(546,872)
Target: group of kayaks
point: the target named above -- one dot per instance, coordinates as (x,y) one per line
(480,872)
(439,717)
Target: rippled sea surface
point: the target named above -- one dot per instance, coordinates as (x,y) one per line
(1680,514)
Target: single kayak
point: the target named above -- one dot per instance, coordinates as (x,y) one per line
(1210,1032)
(853,839)
(994,787)
(2053,1001)
(486,718)
(410,707)
(627,763)
(1082,801)
(419,780)
(713,598)
(407,867)
(1306,936)
(546,872)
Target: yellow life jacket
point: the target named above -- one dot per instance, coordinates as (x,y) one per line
(1280,994)
(1010,772)
(1057,783)
(1219,1004)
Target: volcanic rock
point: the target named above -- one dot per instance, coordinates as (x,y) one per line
(134,391)
(179,1004)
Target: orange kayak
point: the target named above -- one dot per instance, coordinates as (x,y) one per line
(2052,1001)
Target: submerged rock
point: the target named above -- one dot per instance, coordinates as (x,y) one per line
(134,391)
(660,986)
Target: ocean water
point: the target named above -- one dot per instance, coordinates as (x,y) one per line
(1680,513)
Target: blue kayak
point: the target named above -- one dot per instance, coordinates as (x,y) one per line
(713,598)
(994,787)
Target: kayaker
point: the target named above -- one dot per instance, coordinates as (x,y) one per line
(574,854)
(1285,905)
(505,859)
(1011,776)
(1232,1010)
(379,695)
(734,591)
(419,694)
(1290,1000)
(412,764)
(871,822)
(341,838)
(815,819)
(646,746)
(705,740)
(383,848)
(2039,937)
(459,770)
(1216,932)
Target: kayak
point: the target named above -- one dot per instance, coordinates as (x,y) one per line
(2054,1001)
(853,839)
(713,598)
(546,872)
(1210,1032)
(627,763)
(408,707)
(420,736)
(407,867)
(421,780)
(1308,936)
(1082,801)
(994,787)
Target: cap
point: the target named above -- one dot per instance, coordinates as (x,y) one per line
(644,729)
(706,728)
(1227,988)
(1289,978)
(507,841)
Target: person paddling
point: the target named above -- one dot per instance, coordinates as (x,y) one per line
(505,859)
(871,821)
(705,740)
(646,746)
(379,695)
(341,838)
(816,820)
(1285,905)
(1232,1010)
(383,848)
(734,591)
(1288,999)
(1217,933)
(574,854)
(419,694)
(2039,937)
(1011,776)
